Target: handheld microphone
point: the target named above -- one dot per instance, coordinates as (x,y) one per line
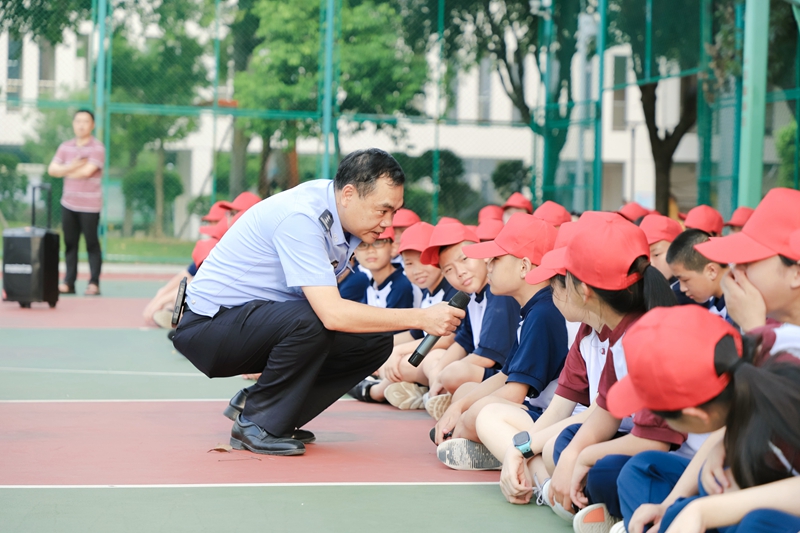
(460,300)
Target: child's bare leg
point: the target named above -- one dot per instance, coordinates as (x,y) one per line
(537,469)
(496,425)
(428,364)
(468,422)
(458,372)
(547,455)
(463,390)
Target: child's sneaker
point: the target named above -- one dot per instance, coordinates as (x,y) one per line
(405,395)
(464,454)
(437,405)
(619,527)
(594,519)
(542,498)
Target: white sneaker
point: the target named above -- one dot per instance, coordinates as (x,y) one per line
(619,527)
(437,405)
(464,454)
(542,499)
(163,318)
(405,395)
(594,519)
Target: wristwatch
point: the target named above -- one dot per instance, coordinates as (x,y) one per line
(522,442)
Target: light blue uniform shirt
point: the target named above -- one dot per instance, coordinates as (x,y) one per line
(291,240)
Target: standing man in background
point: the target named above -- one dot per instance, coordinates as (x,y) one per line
(80,162)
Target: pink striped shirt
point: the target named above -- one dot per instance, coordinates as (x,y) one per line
(83,195)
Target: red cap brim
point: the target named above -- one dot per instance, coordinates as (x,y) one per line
(623,400)
(483,250)
(553,262)
(738,248)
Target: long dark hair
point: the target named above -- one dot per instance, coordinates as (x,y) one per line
(652,290)
(764,409)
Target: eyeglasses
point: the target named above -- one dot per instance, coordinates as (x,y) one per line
(380,243)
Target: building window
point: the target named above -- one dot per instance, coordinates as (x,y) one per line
(618,119)
(14,75)
(485,89)
(47,70)
(82,52)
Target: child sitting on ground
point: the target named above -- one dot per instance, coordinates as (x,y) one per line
(532,368)
(699,277)
(389,287)
(410,380)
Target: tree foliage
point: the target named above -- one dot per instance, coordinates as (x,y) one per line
(785,144)
(13,186)
(510,177)
(43,18)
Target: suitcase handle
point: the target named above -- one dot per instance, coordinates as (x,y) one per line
(49,189)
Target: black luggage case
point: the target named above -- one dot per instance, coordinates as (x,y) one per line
(30,260)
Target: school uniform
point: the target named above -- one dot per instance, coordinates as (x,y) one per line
(539,350)
(717,307)
(650,476)
(441,293)
(394,293)
(601,481)
(247,313)
(489,329)
(675,285)
(354,286)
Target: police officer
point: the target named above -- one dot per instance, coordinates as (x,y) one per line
(265,300)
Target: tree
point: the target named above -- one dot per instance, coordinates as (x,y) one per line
(139,190)
(785,145)
(43,18)
(510,177)
(167,71)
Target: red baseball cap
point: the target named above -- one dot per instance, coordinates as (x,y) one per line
(633,211)
(201,250)
(245,201)
(766,234)
(602,252)
(446,235)
(660,228)
(553,213)
(794,242)
(388,233)
(218,211)
(704,218)
(519,201)
(522,236)
(416,237)
(448,220)
(670,357)
(488,229)
(490,212)
(405,218)
(740,216)
(217,230)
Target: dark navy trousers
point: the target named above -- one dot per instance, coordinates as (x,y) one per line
(304,367)
(648,477)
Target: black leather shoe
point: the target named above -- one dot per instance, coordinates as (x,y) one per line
(248,436)
(304,436)
(236,405)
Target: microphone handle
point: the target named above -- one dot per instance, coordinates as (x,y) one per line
(422,350)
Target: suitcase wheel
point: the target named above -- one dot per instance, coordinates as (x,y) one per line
(25,305)
(52,304)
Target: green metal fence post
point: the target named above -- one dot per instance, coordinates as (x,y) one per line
(597,178)
(100,106)
(548,184)
(327,102)
(737,131)
(215,106)
(796,173)
(704,112)
(756,41)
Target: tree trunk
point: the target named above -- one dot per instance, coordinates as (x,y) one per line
(263,170)
(158,227)
(294,172)
(127,220)
(238,160)
(663,148)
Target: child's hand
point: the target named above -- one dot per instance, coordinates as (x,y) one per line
(648,513)
(391,368)
(436,387)
(744,302)
(713,475)
(689,520)
(515,482)
(447,423)
(579,474)
(561,481)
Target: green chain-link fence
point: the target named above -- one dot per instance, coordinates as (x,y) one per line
(199,100)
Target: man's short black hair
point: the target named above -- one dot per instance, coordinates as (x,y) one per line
(84,111)
(682,250)
(363,168)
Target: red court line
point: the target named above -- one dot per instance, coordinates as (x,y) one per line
(168,443)
(76,312)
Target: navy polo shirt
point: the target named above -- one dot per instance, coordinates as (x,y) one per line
(540,350)
(354,286)
(497,329)
(675,285)
(192,269)
(394,293)
(442,293)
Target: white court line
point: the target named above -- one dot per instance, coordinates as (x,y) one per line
(104,372)
(251,485)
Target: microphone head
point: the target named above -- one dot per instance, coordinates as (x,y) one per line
(460,300)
